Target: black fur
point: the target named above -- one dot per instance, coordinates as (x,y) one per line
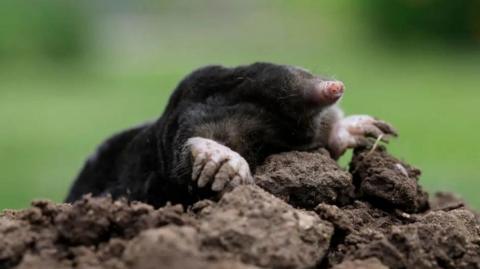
(256,110)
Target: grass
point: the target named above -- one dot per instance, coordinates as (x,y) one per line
(53,116)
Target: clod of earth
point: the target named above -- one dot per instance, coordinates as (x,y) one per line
(305,179)
(384,179)
(304,212)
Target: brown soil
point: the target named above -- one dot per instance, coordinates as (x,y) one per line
(305,212)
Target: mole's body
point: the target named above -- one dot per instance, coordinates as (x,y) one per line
(219,124)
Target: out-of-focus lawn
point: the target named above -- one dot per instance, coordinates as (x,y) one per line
(53,116)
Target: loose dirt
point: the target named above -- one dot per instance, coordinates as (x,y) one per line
(304,212)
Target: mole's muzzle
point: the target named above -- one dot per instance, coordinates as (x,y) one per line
(327,92)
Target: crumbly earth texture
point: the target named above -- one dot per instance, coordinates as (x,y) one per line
(304,212)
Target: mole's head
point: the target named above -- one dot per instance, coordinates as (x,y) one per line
(295,89)
(314,90)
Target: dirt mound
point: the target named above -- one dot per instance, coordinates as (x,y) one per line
(305,212)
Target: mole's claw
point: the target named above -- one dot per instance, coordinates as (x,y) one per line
(236,180)
(373,131)
(386,127)
(219,183)
(217,165)
(207,173)
(199,162)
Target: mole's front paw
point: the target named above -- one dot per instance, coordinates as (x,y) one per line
(358,130)
(217,164)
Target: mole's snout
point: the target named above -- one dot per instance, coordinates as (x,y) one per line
(328,92)
(334,88)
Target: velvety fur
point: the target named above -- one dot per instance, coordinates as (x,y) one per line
(256,110)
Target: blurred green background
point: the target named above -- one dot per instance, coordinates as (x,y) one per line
(74,72)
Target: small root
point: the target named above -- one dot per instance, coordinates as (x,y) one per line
(375,145)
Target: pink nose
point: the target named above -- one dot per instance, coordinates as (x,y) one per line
(334,88)
(328,92)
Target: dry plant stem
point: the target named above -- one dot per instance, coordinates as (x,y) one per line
(375,145)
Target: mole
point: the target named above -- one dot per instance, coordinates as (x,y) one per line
(220,123)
